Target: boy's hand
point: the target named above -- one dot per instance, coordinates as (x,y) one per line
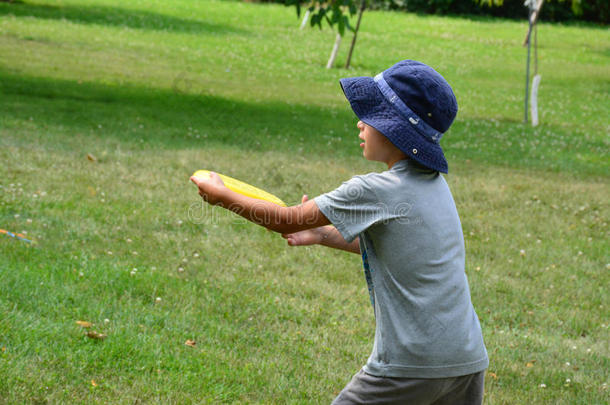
(311,236)
(210,189)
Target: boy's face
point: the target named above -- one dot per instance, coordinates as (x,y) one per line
(377,147)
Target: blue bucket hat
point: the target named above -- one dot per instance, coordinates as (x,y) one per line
(411,104)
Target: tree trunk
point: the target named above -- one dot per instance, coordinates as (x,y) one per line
(351,49)
(333,54)
(534,100)
(305,19)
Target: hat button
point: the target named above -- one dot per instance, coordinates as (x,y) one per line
(414,151)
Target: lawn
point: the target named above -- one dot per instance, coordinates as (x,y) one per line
(107,107)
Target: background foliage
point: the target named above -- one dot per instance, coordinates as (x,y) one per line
(553,10)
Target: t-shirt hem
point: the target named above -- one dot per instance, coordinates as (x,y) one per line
(426,372)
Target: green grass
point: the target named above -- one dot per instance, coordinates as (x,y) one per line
(156,90)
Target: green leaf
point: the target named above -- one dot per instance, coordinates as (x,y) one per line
(352,8)
(347,24)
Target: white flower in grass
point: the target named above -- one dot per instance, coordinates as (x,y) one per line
(522,252)
(158,299)
(542,385)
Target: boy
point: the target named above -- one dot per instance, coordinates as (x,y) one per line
(428,346)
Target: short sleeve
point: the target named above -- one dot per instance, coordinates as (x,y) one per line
(352,207)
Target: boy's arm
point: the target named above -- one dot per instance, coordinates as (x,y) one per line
(324,235)
(285,220)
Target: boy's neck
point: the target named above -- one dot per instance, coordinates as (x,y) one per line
(392,160)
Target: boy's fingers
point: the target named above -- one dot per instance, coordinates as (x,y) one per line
(216,178)
(304,199)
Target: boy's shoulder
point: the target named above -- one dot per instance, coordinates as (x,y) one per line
(402,171)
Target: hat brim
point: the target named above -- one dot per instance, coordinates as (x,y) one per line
(372,108)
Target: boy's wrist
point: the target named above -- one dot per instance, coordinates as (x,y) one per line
(224,196)
(324,234)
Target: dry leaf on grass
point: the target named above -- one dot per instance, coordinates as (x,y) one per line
(93,383)
(95,335)
(91,158)
(190,342)
(84,324)
(493,375)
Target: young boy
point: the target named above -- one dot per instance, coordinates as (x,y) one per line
(428,346)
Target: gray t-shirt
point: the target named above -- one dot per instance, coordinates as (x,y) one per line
(413,255)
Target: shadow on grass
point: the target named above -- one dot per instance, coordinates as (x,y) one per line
(67,114)
(115,16)
(169,118)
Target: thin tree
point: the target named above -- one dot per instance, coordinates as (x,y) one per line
(336,13)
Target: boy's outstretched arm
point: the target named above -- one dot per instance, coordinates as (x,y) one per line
(284,220)
(324,235)
(300,225)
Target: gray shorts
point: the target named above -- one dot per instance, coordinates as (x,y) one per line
(368,389)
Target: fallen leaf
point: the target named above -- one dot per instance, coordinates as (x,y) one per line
(493,375)
(93,383)
(190,342)
(529,364)
(84,324)
(91,158)
(95,335)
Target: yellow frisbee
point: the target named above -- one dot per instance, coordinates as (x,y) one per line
(242,188)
